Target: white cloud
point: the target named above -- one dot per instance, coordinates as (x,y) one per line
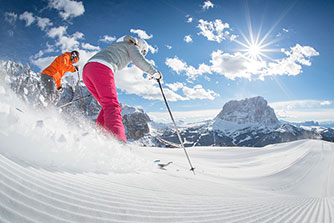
(237,65)
(198,92)
(186,116)
(107,39)
(179,66)
(189,18)
(64,41)
(141,33)
(290,65)
(152,49)
(176,64)
(188,39)
(320,115)
(49,49)
(10,17)
(325,103)
(207,4)
(67,8)
(301,53)
(303,110)
(231,66)
(296,104)
(88,46)
(284,31)
(43,23)
(131,81)
(214,31)
(233,37)
(71,42)
(175,86)
(57,31)
(169,47)
(27,17)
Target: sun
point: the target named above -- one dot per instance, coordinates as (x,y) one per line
(254,51)
(256,47)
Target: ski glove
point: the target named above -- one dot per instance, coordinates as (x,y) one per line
(76,68)
(157,76)
(60,90)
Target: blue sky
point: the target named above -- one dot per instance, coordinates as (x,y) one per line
(209,52)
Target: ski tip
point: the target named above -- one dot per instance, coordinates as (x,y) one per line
(193,169)
(19,110)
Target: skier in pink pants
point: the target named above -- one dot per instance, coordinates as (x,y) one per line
(98,76)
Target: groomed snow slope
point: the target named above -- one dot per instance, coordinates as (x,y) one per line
(55,171)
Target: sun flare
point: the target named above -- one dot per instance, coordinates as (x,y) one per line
(255,46)
(254,50)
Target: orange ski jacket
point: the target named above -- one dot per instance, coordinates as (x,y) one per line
(59,67)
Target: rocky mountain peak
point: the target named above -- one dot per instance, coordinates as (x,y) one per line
(249,112)
(135,121)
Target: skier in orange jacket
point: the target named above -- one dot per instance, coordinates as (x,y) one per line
(52,75)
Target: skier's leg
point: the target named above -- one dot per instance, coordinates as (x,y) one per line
(102,78)
(100,118)
(109,101)
(113,121)
(87,73)
(49,91)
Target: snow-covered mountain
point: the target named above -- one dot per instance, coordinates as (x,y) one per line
(135,121)
(250,112)
(248,122)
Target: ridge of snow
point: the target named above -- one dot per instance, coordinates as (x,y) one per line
(127,109)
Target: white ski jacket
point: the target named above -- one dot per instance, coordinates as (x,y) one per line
(120,54)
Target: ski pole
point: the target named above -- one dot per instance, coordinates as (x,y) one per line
(82,105)
(177,131)
(78,99)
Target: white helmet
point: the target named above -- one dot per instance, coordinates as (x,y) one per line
(143,46)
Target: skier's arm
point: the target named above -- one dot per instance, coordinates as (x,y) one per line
(139,60)
(68,66)
(57,80)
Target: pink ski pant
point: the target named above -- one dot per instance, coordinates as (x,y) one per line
(99,79)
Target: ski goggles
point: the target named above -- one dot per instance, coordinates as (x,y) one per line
(75,57)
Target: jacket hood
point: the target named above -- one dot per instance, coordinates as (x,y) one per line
(129,39)
(142,44)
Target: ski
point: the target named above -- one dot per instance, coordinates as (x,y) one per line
(162,165)
(168,143)
(75,100)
